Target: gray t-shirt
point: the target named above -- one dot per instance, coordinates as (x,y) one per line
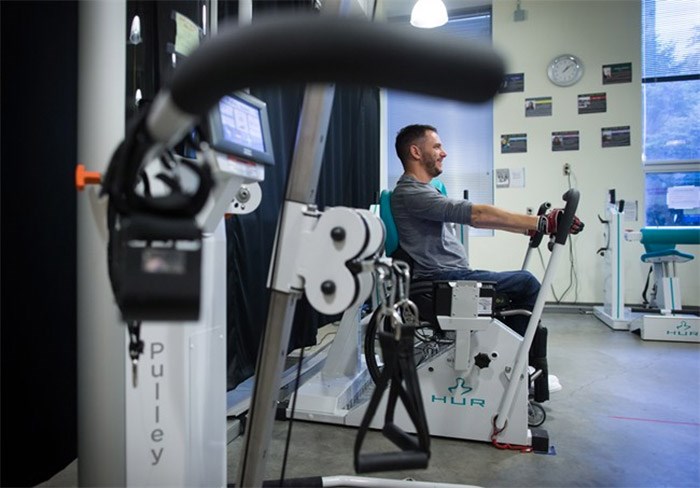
(424,218)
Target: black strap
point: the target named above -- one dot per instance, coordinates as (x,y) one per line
(399,370)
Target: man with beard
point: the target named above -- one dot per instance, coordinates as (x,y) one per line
(424,220)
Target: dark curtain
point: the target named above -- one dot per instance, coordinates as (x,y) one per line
(39,133)
(349,177)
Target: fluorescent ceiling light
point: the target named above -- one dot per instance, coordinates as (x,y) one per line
(427,14)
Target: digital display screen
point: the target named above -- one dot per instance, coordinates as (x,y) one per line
(238,126)
(241,123)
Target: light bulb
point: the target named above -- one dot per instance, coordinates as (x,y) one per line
(427,14)
(135,31)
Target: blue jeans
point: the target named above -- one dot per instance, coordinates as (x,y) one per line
(520,286)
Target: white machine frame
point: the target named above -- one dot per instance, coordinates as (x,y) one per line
(613,312)
(493,403)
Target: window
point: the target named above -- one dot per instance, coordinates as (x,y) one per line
(465,129)
(671,80)
(672,198)
(671,108)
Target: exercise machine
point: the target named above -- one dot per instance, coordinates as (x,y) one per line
(613,311)
(469,362)
(671,323)
(167,255)
(309,48)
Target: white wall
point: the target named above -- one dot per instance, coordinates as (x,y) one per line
(599,33)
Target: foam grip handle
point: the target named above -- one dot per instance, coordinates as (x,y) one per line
(571,198)
(318,48)
(308,482)
(391,461)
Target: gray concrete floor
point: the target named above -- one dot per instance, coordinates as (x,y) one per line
(628,416)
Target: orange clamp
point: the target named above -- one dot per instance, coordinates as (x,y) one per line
(83,177)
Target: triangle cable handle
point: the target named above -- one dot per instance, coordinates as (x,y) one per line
(414,452)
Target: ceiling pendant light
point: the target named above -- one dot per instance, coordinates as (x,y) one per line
(427,14)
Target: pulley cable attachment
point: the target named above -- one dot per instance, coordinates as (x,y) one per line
(155,242)
(400,377)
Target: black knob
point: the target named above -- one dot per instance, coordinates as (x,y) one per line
(338,234)
(482,360)
(328,287)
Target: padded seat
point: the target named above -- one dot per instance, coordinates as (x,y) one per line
(667,256)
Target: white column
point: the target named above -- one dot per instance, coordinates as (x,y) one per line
(101,336)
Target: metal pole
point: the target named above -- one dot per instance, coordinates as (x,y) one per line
(518,377)
(301,187)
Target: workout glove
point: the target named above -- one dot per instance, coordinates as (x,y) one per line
(548,224)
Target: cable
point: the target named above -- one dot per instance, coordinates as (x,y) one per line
(646,287)
(500,445)
(573,275)
(291,418)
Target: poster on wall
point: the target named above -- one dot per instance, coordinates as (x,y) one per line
(538,107)
(513,82)
(513,143)
(510,177)
(592,103)
(567,140)
(187,35)
(617,73)
(502,177)
(615,136)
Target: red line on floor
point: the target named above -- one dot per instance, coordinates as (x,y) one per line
(693,424)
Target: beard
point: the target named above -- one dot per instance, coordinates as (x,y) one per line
(431,167)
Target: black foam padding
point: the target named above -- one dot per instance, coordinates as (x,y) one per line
(308,482)
(571,197)
(317,48)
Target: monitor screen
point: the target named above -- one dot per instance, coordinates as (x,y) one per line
(673,198)
(239,127)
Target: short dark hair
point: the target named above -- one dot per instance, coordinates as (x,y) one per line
(407,136)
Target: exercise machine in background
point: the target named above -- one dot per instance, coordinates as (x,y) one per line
(613,311)
(671,323)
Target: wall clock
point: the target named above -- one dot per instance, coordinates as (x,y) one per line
(565,70)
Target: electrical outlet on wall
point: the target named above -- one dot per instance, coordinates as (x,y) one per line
(567,169)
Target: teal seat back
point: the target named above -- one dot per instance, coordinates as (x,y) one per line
(391,243)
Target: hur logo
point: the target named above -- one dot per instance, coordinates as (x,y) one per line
(459,383)
(457,397)
(683,329)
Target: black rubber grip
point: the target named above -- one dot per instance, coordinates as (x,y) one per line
(318,48)
(536,239)
(391,461)
(309,482)
(399,437)
(571,198)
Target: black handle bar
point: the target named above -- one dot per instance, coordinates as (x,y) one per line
(392,461)
(306,48)
(571,198)
(536,239)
